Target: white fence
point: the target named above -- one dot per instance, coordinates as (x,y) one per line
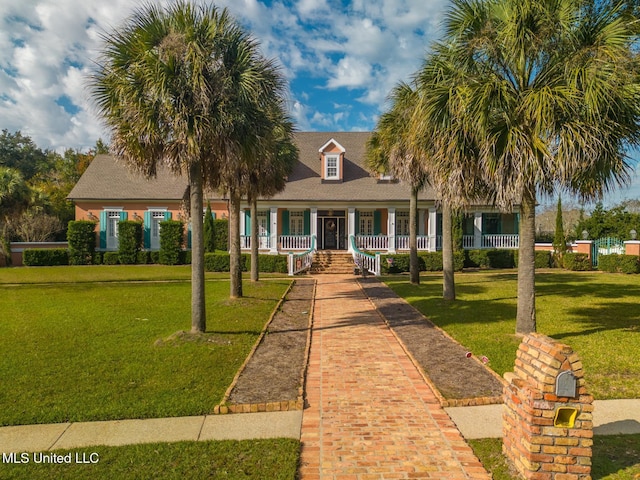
(365,262)
(294,242)
(264,242)
(302,261)
(372,242)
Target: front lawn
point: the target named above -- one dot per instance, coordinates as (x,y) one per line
(253,459)
(100,351)
(597,314)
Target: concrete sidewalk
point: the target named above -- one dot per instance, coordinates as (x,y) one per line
(36,438)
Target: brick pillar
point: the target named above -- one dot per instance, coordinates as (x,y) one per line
(632,247)
(541,438)
(584,246)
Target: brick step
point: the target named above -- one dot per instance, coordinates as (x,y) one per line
(332,263)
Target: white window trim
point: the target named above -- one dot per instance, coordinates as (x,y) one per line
(332,156)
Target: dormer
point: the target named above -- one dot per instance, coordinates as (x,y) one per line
(332,161)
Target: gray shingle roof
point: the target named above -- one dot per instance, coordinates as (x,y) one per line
(107,179)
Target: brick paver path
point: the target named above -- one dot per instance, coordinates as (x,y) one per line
(370,414)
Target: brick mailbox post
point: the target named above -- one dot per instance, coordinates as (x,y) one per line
(548,415)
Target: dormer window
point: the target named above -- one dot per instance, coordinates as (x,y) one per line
(332,158)
(332,167)
(385,176)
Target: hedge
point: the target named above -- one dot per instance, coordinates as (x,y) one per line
(427,262)
(45,257)
(577,262)
(221,232)
(171,240)
(110,258)
(129,241)
(543,259)
(615,263)
(82,242)
(219,262)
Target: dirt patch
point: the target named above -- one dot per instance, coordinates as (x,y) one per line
(460,380)
(275,371)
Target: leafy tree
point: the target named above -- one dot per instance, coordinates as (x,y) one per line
(559,240)
(20,152)
(616,222)
(551,98)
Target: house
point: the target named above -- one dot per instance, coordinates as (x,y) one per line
(330,197)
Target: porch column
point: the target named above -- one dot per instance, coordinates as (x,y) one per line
(273,221)
(477,230)
(242,220)
(351,227)
(391,229)
(433,229)
(313,220)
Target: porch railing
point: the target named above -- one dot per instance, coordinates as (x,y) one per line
(264,241)
(301,261)
(423,242)
(295,242)
(509,241)
(372,242)
(364,261)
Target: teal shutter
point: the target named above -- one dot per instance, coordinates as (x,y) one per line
(147,229)
(167,216)
(377,223)
(307,222)
(247,222)
(213,214)
(285,222)
(516,223)
(103,229)
(357,222)
(189,236)
(123,216)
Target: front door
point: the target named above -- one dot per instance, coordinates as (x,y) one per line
(330,233)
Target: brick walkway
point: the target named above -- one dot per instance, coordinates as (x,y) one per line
(370,414)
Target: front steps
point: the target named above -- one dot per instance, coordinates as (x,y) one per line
(332,262)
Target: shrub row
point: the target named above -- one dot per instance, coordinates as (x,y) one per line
(42,257)
(219,262)
(427,262)
(615,263)
(577,262)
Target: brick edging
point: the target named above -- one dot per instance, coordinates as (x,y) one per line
(282,406)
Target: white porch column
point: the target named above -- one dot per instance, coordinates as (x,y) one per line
(477,230)
(433,229)
(391,229)
(313,227)
(351,227)
(242,221)
(273,221)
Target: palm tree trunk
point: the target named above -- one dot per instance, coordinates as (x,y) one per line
(448,280)
(414,267)
(254,240)
(235,267)
(526,314)
(198,312)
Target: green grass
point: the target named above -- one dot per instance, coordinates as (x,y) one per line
(615,457)
(257,459)
(90,351)
(595,313)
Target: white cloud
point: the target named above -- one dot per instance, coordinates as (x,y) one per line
(351,73)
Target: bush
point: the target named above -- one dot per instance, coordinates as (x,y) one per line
(96,259)
(82,242)
(615,263)
(221,233)
(219,262)
(185,257)
(492,258)
(543,259)
(577,262)
(143,257)
(432,261)
(155,256)
(129,241)
(427,262)
(171,240)
(45,257)
(111,258)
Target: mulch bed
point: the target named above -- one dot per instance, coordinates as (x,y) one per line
(273,377)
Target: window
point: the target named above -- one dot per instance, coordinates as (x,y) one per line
(296,223)
(157,216)
(113,218)
(332,167)
(366,223)
(402,223)
(386,176)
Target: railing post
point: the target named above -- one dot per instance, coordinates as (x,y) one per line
(290,263)
(377,265)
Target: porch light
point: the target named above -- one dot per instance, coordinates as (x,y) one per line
(585,234)
(91,216)
(633,234)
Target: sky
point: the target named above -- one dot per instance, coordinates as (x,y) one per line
(341,59)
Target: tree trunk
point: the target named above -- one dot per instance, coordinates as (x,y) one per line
(414,267)
(526,315)
(198,311)
(254,240)
(235,258)
(448,280)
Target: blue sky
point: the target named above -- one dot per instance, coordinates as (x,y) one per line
(341,59)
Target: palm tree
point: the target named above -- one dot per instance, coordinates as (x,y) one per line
(182,87)
(552,90)
(392,149)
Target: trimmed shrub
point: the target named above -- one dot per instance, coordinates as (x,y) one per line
(476,259)
(432,261)
(45,257)
(492,258)
(427,262)
(110,258)
(219,262)
(208,231)
(615,263)
(577,262)
(82,242)
(143,257)
(543,259)
(185,257)
(221,233)
(97,258)
(155,256)
(129,241)
(268,263)
(171,240)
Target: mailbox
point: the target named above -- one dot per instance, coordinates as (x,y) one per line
(566,384)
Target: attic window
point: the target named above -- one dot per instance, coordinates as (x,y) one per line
(332,167)
(386,176)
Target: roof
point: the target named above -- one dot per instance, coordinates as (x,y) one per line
(108,179)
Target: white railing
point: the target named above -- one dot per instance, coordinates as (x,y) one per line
(423,242)
(301,261)
(511,241)
(294,242)
(468,242)
(372,242)
(365,262)
(264,242)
